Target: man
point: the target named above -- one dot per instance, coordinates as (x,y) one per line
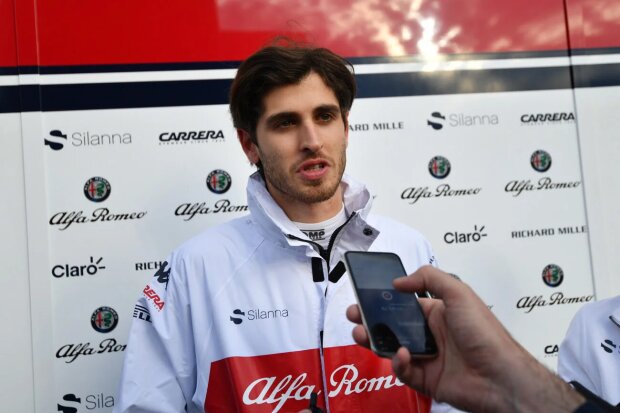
(250,315)
(590,352)
(479,367)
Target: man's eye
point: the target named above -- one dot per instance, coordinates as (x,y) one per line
(284,123)
(326,117)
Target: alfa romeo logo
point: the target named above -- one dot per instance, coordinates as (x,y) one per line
(97,189)
(540,161)
(219,181)
(439,167)
(104,319)
(552,275)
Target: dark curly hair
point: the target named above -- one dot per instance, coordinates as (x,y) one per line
(284,63)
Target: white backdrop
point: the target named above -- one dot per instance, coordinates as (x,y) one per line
(506,238)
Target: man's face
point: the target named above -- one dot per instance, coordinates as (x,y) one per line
(302,138)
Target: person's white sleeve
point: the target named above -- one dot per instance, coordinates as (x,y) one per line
(159,372)
(573,357)
(437,407)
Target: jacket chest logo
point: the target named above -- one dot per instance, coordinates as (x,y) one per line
(257,314)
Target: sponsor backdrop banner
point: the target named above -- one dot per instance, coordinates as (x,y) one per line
(492,179)
(125,188)
(124,162)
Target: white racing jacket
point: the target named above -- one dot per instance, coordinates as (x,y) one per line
(590,352)
(249,317)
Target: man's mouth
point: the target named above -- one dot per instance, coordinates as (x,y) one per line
(313,169)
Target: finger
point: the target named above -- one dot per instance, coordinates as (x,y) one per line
(353,314)
(400,361)
(429,278)
(361,336)
(428,304)
(407,371)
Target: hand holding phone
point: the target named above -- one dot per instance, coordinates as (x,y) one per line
(392,318)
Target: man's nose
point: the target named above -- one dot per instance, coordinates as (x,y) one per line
(311,137)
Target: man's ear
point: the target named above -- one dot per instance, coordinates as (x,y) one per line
(249,147)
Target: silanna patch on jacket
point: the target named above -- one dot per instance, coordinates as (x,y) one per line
(238,315)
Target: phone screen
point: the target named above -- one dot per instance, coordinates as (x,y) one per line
(392,318)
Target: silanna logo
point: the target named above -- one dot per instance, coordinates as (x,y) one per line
(97,189)
(438,121)
(552,275)
(557,118)
(239,316)
(439,167)
(69,271)
(57,139)
(104,319)
(541,162)
(193,137)
(71,402)
(610,347)
(72,399)
(219,181)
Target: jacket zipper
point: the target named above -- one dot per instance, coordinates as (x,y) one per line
(325,254)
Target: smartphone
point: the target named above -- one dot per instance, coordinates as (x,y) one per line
(392,318)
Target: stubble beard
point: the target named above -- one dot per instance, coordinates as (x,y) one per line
(308,192)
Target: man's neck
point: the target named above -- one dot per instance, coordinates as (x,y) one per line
(311,213)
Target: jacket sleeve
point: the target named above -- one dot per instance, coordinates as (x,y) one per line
(574,358)
(590,407)
(159,370)
(437,407)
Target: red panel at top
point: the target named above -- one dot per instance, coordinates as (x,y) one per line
(18,37)
(594,23)
(76,32)
(8,51)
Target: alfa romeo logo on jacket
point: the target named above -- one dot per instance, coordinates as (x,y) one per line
(97,189)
